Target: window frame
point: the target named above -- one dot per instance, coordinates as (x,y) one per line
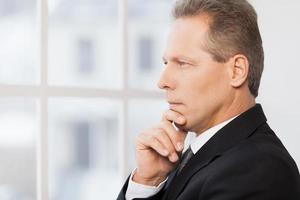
(43,91)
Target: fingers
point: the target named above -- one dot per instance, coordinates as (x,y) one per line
(173,116)
(158,141)
(165,140)
(150,141)
(176,137)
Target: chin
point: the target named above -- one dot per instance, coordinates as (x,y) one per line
(187,128)
(182,127)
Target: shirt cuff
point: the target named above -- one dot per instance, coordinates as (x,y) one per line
(136,190)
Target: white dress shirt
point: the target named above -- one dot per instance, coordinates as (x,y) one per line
(136,190)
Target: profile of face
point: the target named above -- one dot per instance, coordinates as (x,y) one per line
(196,86)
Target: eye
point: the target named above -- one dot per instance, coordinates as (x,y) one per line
(183,64)
(165,62)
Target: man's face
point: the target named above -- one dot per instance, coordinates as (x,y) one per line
(196,86)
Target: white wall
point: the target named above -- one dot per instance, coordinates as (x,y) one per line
(280,86)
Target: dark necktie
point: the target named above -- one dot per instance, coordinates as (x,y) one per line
(186,156)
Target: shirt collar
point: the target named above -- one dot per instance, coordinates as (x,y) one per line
(196,142)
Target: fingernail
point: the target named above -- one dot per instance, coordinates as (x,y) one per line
(174,157)
(179,146)
(180,120)
(165,152)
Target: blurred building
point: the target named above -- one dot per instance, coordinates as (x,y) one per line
(84,51)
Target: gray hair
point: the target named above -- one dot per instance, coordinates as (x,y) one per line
(233,29)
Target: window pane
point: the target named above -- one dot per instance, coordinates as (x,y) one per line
(149,22)
(83,147)
(18,39)
(139,121)
(18,129)
(83,43)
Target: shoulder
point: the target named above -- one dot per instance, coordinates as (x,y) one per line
(259,167)
(262,150)
(259,163)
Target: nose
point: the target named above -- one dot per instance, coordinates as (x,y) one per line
(166,79)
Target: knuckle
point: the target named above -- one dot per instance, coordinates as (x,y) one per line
(156,134)
(141,136)
(156,145)
(151,137)
(139,140)
(161,124)
(165,114)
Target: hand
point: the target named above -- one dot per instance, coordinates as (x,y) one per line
(158,150)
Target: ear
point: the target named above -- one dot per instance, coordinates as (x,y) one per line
(239,70)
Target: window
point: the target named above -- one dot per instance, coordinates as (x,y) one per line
(18,49)
(148,26)
(145,50)
(76,78)
(83,44)
(83,143)
(86,56)
(18,131)
(72,98)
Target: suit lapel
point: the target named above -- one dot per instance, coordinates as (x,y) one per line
(237,130)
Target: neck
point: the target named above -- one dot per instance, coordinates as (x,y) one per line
(237,107)
(234,107)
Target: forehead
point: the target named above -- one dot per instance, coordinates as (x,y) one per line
(187,34)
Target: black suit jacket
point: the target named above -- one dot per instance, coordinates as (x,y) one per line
(243,161)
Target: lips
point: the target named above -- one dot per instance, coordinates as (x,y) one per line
(173,105)
(173,102)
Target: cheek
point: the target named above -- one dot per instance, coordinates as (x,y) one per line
(205,90)
(200,87)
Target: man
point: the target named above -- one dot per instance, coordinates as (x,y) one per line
(213,66)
